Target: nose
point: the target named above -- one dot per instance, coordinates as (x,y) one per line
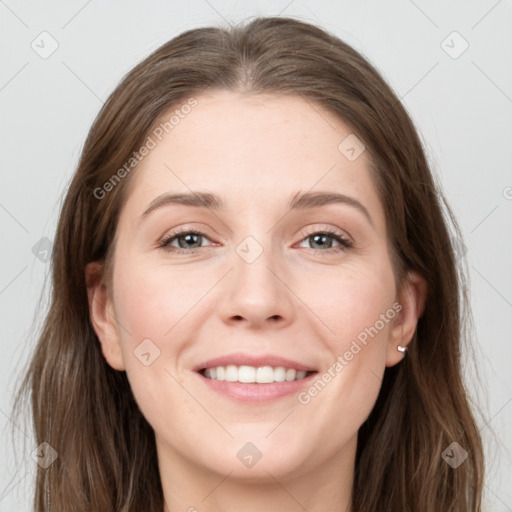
(258,293)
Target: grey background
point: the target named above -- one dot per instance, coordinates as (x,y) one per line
(460,102)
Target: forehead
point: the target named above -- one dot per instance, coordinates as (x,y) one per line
(264,147)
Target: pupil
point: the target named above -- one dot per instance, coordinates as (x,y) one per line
(316,237)
(187,238)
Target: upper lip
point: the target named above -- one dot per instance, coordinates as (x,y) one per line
(240,359)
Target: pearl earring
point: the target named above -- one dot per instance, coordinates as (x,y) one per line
(401,349)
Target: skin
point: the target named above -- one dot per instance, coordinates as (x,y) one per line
(298,299)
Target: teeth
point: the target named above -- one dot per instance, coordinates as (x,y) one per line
(247,373)
(251,374)
(231,374)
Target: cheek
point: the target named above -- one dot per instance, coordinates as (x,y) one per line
(154,306)
(154,302)
(353,303)
(359,307)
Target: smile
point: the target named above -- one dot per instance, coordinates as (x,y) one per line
(253,374)
(254,377)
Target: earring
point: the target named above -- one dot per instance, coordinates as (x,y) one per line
(401,349)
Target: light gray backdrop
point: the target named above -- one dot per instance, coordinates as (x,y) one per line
(450,62)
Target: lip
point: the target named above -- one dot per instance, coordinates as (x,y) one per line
(256,392)
(240,359)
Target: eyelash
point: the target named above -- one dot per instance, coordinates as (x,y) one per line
(344,242)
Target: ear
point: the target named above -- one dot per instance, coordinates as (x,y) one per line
(102,317)
(411,298)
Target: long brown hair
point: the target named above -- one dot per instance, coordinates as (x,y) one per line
(85,409)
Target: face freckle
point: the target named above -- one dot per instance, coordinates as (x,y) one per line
(260,280)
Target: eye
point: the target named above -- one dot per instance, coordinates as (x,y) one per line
(321,239)
(188,241)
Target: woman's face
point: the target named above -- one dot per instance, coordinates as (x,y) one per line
(263,285)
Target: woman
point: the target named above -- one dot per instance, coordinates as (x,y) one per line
(305,354)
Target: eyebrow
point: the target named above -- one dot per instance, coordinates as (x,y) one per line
(299,201)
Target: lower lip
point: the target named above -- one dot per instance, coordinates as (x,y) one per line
(257,392)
